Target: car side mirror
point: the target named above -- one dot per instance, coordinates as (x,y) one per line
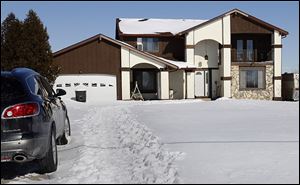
(60,92)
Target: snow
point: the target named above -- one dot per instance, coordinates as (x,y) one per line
(156,26)
(176,141)
(179,64)
(108,146)
(232,141)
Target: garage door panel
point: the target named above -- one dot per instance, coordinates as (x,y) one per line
(98,87)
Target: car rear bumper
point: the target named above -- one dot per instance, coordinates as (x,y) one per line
(30,149)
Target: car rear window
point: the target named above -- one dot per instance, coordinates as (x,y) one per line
(11,89)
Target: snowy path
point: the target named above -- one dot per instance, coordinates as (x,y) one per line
(108,146)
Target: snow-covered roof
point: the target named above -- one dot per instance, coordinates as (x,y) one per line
(179,64)
(156,26)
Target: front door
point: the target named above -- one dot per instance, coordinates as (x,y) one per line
(203,83)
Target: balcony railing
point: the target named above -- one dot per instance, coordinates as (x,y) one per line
(251,56)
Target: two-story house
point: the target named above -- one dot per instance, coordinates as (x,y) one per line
(232,55)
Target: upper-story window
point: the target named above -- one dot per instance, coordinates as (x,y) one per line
(251,47)
(239,50)
(250,53)
(148,44)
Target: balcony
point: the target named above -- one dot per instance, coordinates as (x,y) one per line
(251,48)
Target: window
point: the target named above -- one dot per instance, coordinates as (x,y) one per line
(251,47)
(11,89)
(148,44)
(239,50)
(252,78)
(250,50)
(49,92)
(146,81)
(34,85)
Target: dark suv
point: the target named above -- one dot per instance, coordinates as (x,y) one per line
(33,119)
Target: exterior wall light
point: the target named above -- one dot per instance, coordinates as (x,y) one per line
(206,57)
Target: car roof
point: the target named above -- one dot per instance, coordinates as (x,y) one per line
(19,72)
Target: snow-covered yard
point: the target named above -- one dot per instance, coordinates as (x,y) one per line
(187,141)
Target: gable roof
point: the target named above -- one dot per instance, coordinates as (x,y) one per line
(281,31)
(120,43)
(143,26)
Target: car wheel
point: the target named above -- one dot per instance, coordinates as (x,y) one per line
(48,164)
(66,137)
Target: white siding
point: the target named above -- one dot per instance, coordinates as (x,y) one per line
(277,64)
(226,57)
(209,47)
(124,57)
(164,82)
(135,58)
(125,85)
(211,30)
(190,56)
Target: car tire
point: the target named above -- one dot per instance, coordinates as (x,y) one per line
(66,137)
(49,163)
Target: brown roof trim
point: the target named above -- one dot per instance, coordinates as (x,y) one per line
(100,36)
(281,31)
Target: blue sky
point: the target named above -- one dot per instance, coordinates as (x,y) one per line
(71,22)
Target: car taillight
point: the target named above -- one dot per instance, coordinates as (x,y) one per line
(21,110)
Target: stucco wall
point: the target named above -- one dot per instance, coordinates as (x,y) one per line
(266,94)
(132,58)
(277,63)
(125,85)
(209,48)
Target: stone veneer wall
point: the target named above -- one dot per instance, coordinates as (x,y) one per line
(265,94)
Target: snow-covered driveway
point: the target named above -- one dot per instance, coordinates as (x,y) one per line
(188,141)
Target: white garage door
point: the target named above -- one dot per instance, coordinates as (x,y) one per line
(98,87)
